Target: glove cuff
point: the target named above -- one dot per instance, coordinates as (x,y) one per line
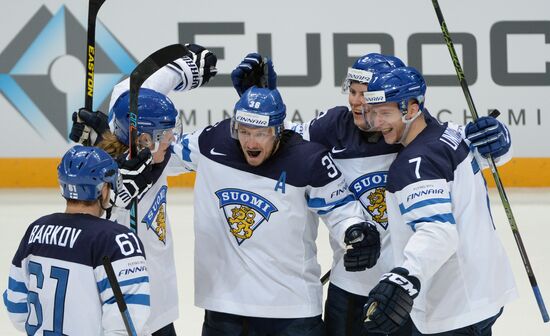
(400,276)
(189,73)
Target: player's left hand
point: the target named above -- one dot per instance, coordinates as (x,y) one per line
(390,302)
(135,176)
(489,136)
(254,70)
(363,241)
(97,121)
(205,61)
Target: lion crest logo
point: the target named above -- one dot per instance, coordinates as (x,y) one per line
(155,218)
(241,220)
(377,207)
(370,190)
(245,211)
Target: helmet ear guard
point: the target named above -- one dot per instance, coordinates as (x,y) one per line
(83,172)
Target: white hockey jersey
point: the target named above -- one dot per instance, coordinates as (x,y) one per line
(57,282)
(154,227)
(364,162)
(443,233)
(255,227)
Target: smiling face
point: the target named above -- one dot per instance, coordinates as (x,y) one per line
(257,143)
(356,101)
(387,118)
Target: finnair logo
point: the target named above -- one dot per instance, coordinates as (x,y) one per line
(251,118)
(28,69)
(372,97)
(362,76)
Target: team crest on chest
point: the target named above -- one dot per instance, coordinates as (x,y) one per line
(244,211)
(155,219)
(370,190)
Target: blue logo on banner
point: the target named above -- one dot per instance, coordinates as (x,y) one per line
(29,84)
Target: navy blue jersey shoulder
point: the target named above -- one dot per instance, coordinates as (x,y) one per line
(433,154)
(78,238)
(297,158)
(336,130)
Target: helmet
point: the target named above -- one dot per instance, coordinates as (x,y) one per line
(259,107)
(365,66)
(82,172)
(156,113)
(399,85)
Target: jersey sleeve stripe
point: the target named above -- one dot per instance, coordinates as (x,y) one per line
(13,307)
(185,152)
(322,203)
(104,284)
(137,299)
(442,218)
(424,203)
(17,286)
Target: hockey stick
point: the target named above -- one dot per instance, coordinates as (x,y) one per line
(325,278)
(118,297)
(93,9)
(496,176)
(142,71)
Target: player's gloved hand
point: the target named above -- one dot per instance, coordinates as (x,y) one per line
(489,136)
(390,302)
(254,70)
(94,120)
(363,241)
(136,177)
(195,69)
(205,61)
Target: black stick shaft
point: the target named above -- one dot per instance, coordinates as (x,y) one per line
(93,9)
(492,165)
(118,297)
(139,75)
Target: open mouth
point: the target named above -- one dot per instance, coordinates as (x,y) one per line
(253,153)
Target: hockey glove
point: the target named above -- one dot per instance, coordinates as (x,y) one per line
(136,177)
(95,120)
(363,247)
(390,302)
(205,61)
(254,70)
(489,136)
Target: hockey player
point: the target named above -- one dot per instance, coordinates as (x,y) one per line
(448,257)
(256,212)
(146,175)
(57,283)
(364,159)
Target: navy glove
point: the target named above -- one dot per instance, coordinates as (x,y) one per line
(205,61)
(489,137)
(363,241)
(136,177)
(95,120)
(390,302)
(254,70)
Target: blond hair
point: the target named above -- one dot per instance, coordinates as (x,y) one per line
(112,145)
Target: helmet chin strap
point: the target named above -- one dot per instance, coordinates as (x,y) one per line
(408,123)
